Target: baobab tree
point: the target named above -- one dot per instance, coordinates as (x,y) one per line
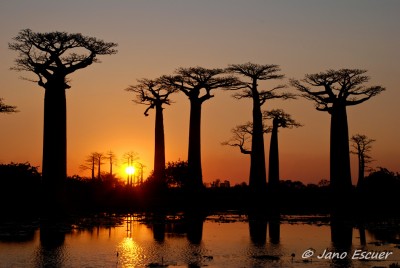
(154,94)
(6,109)
(52,56)
(197,83)
(280,119)
(332,91)
(90,163)
(99,159)
(362,146)
(112,160)
(250,89)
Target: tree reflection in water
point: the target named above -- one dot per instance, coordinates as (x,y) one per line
(51,251)
(195,239)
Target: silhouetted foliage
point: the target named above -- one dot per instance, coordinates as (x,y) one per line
(52,57)
(255,73)
(197,83)
(383,182)
(177,173)
(362,146)
(155,93)
(332,91)
(19,187)
(379,193)
(6,109)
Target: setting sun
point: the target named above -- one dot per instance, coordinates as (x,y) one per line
(130,170)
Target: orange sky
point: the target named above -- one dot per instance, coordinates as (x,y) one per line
(156,37)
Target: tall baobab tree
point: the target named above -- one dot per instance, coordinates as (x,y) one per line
(197,83)
(52,56)
(332,91)
(250,89)
(280,119)
(4,108)
(362,146)
(154,94)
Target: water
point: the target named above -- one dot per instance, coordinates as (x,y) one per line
(223,240)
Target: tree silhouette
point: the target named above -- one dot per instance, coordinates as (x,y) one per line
(99,157)
(332,91)
(112,160)
(280,119)
(177,173)
(52,57)
(6,109)
(90,163)
(140,167)
(155,93)
(256,73)
(191,81)
(362,146)
(241,136)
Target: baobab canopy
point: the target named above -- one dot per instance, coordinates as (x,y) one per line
(61,53)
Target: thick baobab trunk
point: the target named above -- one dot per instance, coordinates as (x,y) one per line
(340,175)
(159,147)
(258,178)
(54,167)
(195,179)
(273,172)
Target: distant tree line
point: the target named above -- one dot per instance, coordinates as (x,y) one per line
(21,193)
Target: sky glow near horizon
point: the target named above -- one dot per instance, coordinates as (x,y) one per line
(157,37)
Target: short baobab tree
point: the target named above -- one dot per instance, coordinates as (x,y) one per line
(154,94)
(361,145)
(241,136)
(280,119)
(52,56)
(332,91)
(250,89)
(93,160)
(111,157)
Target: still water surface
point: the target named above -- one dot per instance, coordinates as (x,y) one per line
(223,240)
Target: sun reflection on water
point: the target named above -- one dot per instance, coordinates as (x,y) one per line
(130,254)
